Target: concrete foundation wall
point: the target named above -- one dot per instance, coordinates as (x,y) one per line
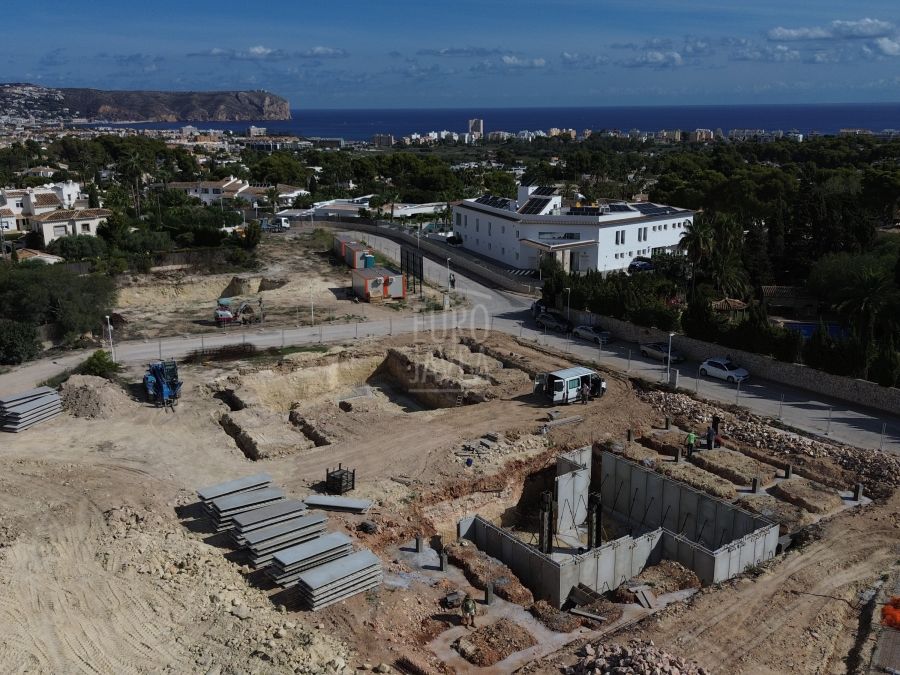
(610,565)
(710,536)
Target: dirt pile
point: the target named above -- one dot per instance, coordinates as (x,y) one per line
(93,397)
(698,479)
(879,471)
(666,577)
(789,516)
(488,645)
(554,619)
(734,466)
(480,569)
(808,495)
(243,629)
(636,657)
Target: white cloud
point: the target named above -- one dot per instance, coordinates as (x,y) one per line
(579,60)
(323,53)
(888,46)
(774,54)
(516,62)
(654,58)
(839,30)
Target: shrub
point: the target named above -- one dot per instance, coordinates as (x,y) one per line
(99,364)
(18,342)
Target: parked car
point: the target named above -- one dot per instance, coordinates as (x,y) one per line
(595,335)
(550,322)
(640,265)
(723,368)
(660,352)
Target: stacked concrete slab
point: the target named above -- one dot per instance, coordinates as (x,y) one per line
(264,543)
(223,510)
(338,580)
(22,411)
(232,487)
(288,564)
(266,516)
(332,503)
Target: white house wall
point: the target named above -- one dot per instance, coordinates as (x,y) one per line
(497,237)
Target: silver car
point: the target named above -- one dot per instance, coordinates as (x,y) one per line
(600,337)
(660,352)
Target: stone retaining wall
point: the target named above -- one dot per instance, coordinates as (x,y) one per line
(848,389)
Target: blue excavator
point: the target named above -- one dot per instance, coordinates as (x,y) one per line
(162,384)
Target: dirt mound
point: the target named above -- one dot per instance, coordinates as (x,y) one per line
(637,657)
(491,644)
(789,516)
(93,397)
(734,466)
(666,577)
(480,569)
(808,495)
(699,479)
(261,434)
(554,619)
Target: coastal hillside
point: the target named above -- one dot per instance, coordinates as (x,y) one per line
(153,106)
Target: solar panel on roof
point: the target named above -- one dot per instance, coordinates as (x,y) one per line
(534,205)
(544,191)
(619,208)
(495,202)
(584,211)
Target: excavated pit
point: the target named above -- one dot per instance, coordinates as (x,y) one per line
(293,406)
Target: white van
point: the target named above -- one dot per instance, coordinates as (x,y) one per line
(564,386)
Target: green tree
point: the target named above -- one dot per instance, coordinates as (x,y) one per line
(252,235)
(18,342)
(75,247)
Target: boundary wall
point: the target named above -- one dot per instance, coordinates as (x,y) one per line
(860,392)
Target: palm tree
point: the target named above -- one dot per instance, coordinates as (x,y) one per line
(133,167)
(698,242)
(866,296)
(272,198)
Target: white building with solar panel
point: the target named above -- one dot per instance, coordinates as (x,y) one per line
(517,233)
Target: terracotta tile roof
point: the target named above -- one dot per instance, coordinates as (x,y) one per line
(729,305)
(71,214)
(26,253)
(6,213)
(46,199)
(15,193)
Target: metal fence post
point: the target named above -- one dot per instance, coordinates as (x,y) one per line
(780,406)
(202,346)
(628,369)
(160,350)
(828,428)
(883,430)
(737,394)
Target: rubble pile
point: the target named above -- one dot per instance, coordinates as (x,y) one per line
(490,644)
(641,658)
(873,467)
(244,630)
(93,397)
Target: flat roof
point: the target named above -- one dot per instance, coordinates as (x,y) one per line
(576,371)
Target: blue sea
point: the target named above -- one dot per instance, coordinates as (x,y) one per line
(363,124)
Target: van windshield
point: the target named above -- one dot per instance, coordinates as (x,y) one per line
(558,385)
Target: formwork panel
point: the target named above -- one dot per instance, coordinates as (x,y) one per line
(654,507)
(671,503)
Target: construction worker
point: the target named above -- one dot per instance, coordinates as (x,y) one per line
(468,611)
(716,421)
(710,438)
(690,442)
(585,393)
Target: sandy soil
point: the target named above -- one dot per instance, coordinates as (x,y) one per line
(298,283)
(734,466)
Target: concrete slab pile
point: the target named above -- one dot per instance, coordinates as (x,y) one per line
(22,411)
(330,503)
(264,543)
(257,519)
(288,564)
(230,487)
(222,510)
(339,580)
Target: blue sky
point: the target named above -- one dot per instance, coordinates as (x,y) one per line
(490,53)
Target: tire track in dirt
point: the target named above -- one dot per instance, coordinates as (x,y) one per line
(62,610)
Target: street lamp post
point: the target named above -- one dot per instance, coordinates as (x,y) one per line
(569,304)
(448,275)
(112,348)
(669,359)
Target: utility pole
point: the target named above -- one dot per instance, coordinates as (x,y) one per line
(112,348)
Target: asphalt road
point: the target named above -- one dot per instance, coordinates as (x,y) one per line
(497,310)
